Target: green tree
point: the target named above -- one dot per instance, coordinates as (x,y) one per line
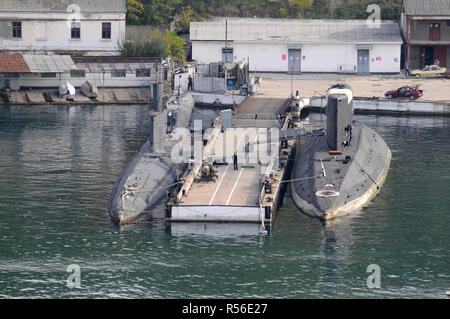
(135,12)
(157,43)
(153,45)
(352,9)
(186,16)
(174,46)
(282,13)
(160,12)
(301,5)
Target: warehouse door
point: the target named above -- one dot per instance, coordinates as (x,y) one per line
(435,32)
(363,61)
(295,61)
(440,54)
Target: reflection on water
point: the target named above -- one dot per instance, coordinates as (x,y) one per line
(58,165)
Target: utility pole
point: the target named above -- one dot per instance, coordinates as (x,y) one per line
(226,54)
(248,75)
(103,85)
(226,41)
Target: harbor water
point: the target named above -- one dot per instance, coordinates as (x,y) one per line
(59,163)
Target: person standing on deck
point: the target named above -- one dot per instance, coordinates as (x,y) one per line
(189,83)
(235,159)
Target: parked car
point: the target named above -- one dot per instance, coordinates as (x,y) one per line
(411,92)
(429,70)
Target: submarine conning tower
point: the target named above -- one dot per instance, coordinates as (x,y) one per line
(339,115)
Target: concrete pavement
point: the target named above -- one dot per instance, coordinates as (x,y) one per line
(309,85)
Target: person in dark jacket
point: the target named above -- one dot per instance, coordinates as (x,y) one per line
(189,83)
(235,164)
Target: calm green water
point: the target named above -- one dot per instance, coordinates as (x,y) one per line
(58,164)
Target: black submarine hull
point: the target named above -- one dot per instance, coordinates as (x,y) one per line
(358,184)
(149,175)
(338,173)
(144,183)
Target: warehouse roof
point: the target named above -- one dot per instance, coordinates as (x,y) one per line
(117,59)
(49,63)
(295,30)
(13,63)
(100,6)
(116,63)
(427,8)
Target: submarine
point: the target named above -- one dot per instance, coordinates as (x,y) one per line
(339,172)
(148,176)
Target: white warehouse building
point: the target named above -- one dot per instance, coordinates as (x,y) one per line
(297,45)
(82,27)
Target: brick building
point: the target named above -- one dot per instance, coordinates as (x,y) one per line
(426,29)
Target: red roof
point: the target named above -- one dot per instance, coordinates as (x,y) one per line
(13,63)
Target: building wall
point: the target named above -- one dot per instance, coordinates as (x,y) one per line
(326,58)
(207,52)
(390,55)
(181,79)
(50,31)
(448,57)
(329,58)
(420,30)
(130,80)
(262,57)
(415,57)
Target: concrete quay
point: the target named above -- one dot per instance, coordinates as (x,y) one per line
(391,107)
(368,92)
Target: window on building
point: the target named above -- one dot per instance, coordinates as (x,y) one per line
(118,74)
(227,54)
(77,73)
(17,30)
(106,30)
(76,30)
(143,73)
(48,75)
